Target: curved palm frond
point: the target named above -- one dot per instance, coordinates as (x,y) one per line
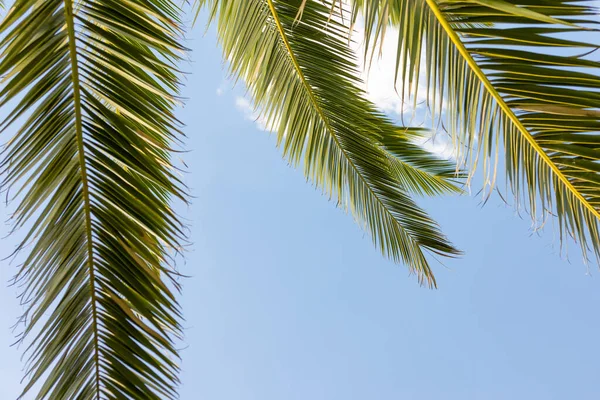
(417,170)
(93,87)
(520,76)
(302,74)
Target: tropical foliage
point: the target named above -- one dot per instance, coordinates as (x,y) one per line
(519,77)
(322,119)
(94,87)
(91,88)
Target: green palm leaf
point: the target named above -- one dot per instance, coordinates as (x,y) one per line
(93,85)
(516,77)
(302,75)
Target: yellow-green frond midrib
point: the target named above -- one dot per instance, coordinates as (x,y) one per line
(70,18)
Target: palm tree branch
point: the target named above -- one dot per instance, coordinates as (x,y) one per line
(499,77)
(456,40)
(95,84)
(302,76)
(316,104)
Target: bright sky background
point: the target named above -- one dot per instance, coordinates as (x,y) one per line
(289,299)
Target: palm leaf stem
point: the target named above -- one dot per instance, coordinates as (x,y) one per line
(85,185)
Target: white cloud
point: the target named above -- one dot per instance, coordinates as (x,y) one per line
(439,144)
(225,84)
(244,105)
(251,114)
(379,78)
(379,85)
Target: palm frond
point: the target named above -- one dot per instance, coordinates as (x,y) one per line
(417,170)
(93,87)
(302,74)
(518,76)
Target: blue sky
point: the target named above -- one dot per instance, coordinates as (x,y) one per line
(288,299)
